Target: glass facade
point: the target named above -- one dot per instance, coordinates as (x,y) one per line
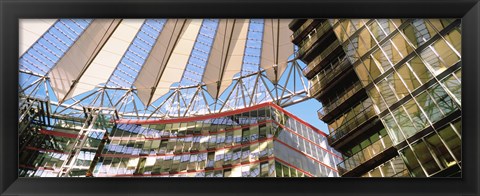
(260,141)
(410,70)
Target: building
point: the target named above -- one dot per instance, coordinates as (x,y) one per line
(78,77)
(390,90)
(258,141)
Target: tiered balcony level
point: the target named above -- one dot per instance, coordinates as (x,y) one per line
(366,154)
(326,76)
(338,100)
(313,37)
(303,30)
(352,124)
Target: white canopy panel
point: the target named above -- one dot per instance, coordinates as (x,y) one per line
(76,60)
(157,59)
(178,60)
(226,57)
(108,58)
(30,30)
(276,47)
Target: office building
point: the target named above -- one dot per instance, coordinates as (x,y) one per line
(390,90)
(258,141)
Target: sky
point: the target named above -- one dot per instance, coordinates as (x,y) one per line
(307,111)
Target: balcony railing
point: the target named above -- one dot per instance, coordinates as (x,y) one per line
(364,155)
(339,99)
(321,57)
(303,27)
(325,76)
(351,124)
(318,32)
(294,22)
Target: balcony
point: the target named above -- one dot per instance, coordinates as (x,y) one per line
(364,155)
(303,30)
(314,36)
(314,65)
(339,99)
(327,75)
(295,24)
(352,124)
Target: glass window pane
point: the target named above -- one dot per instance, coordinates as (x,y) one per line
(341,35)
(363,74)
(377,100)
(455,39)
(429,107)
(441,152)
(392,129)
(392,53)
(423,31)
(446,53)
(452,140)
(454,86)
(425,157)
(380,59)
(440,24)
(412,163)
(408,77)
(419,120)
(401,45)
(444,101)
(376,31)
(404,122)
(386,91)
(398,85)
(420,69)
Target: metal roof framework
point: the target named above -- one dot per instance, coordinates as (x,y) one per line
(160,68)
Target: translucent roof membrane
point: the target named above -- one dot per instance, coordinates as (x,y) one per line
(133,60)
(251,60)
(198,59)
(240,85)
(46,52)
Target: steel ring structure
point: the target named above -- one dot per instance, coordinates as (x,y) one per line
(158,68)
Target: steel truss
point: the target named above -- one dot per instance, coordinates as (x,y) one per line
(181,101)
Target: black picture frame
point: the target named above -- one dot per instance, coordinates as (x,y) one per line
(11,11)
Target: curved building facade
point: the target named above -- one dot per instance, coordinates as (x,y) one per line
(258,141)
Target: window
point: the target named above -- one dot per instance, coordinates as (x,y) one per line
(264,169)
(419,68)
(376,31)
(402,46)
(452,140)
(397,85)
(425,157)
(412,163)
(429,106)
(419,120)
(419,31)
(278,169)
(455,39)
(444,101)
(441,152)
(386,91)
(381,60)
(454,86)
(393,129)
(408,77)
